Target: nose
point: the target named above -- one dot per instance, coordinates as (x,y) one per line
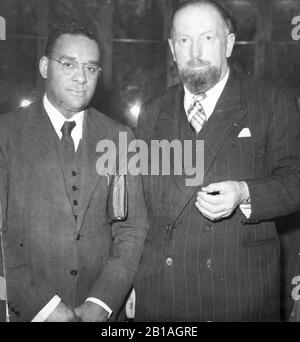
(196,49)
(79,75)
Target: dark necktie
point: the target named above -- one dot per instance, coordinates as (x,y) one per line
(67,140)
(196,114)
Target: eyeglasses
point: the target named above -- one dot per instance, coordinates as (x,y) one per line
(69,66)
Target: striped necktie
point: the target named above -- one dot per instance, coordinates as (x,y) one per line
(196,115)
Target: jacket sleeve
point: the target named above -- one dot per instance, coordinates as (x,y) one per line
(116,278)
(29,295)
(278,193)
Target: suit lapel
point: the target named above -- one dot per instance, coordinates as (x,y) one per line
(223,122)
(219,128)
(40,150)
(93,132)
(167,124)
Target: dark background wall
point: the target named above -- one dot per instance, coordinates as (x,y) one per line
(136,60)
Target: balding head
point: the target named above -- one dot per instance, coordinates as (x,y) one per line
(201,43)
(228,21)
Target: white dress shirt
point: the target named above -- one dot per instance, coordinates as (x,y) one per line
(57,120)
(209,104)
(211,99)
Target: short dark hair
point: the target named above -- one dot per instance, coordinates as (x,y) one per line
(228,20)
(70,28)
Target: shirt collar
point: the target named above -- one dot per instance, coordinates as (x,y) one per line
(57,119)
(212,96)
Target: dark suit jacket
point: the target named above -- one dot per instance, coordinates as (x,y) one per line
(194,269)
(47,251)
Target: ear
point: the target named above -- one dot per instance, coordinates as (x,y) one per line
(171,44)
(229,44)
(44,63)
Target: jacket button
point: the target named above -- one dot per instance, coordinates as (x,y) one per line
(74,173)
(73,272)
(75,188)
(169,261)
(78,237)
(75,217)
(208,228)
(75,202)
(209,263)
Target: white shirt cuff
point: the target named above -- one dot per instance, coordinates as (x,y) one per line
(246,209)
(47,310)
(99,302)
(130,305)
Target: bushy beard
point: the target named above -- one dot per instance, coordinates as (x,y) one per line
(199,81)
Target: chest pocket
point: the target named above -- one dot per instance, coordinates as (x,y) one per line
(240,158)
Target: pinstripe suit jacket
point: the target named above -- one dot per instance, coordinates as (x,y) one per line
(43,240)
(194,269)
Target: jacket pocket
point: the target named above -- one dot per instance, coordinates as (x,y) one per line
(259,242)
(259,234)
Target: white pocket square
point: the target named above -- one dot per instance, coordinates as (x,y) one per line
(244,133)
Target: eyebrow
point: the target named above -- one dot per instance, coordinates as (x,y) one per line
(186,33)
(75,60)
(208,31)
(67,57)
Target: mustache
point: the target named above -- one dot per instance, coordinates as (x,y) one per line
(197,62)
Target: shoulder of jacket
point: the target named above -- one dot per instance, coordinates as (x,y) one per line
(111,125)
(151,107)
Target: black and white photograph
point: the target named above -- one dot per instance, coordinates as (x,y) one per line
(150,163)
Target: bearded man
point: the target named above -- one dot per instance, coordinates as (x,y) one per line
(212,251)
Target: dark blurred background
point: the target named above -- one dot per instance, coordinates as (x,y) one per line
(136,60)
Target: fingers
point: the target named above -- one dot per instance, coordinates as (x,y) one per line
(215,187)
(80,314)
(77,311)
(211,206)
(216,200)
(91,312)
(76,318)
(62,313)
(211,215)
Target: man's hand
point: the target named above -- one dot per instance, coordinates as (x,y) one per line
(218,200)
(62,313)
(91,312)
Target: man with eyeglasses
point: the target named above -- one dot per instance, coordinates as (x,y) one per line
(64,261)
